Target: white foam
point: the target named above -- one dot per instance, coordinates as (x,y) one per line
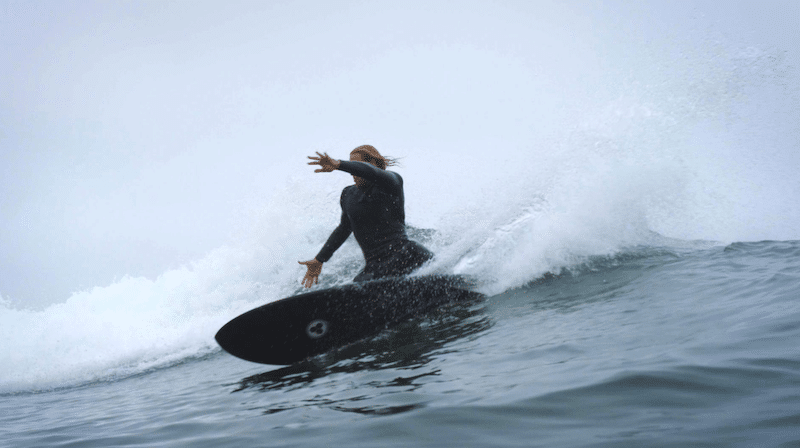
(137,323)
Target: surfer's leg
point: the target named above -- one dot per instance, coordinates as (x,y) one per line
(401,258)
(406,258)
(418,255)
(364,276)
(371,271)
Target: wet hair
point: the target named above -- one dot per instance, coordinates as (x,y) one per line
(371,155)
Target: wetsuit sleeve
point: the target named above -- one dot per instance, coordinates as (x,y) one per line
(386,180)
(337,238)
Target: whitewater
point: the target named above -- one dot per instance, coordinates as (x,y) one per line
(640,262)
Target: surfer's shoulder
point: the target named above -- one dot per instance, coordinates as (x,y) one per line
(397,176)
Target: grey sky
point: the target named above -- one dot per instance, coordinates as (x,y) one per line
(135,136)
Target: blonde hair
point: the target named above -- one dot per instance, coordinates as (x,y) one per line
(371,155)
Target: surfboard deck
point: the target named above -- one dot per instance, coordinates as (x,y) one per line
(295,328)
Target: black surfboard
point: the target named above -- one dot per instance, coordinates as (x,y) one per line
(292,329)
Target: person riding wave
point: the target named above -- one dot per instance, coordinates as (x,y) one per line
(373,210)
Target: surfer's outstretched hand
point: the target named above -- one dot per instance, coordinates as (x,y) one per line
(312,274)
(326,163)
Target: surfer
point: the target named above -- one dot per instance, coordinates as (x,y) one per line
(373,211)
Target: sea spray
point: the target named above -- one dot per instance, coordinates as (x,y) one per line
(137,323)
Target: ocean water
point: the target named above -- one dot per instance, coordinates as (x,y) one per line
(694,344)
(621,180)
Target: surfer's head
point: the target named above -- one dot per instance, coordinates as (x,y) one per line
(368,154)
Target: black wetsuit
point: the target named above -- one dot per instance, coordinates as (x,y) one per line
(375,214)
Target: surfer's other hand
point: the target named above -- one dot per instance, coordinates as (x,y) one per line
(326,163)
(312,274)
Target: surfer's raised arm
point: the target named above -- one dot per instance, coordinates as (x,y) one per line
(389,181)
(326,163)
(361,169)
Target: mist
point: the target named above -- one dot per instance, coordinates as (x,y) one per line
(138,137)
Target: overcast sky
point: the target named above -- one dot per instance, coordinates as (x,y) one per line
(136,135)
